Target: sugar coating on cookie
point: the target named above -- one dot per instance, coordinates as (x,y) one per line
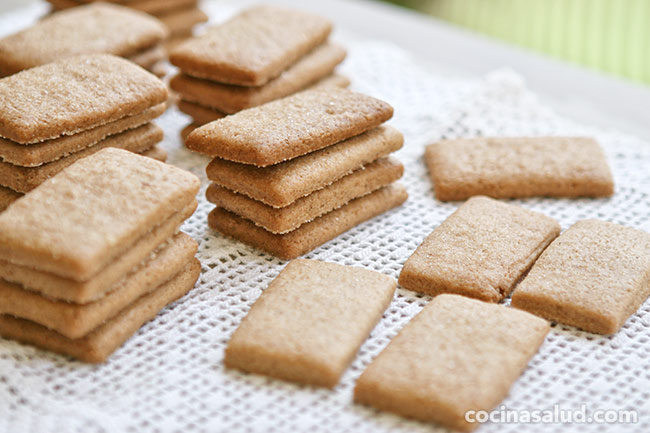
(72,95)
(480,251)
(519,167)
(317,64)
(78,221)
(282,184)
(253,47)
(594,276)
(290,127)
(458,354)
(309,323)
(92,29)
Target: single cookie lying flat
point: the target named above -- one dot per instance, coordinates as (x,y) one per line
(80,220)
(74,320)
(308,236)
(519,167)
(480,251)
(92,29)
(37,154)
(253,47)
(98,345)
(319,63)
(74,94)
(25,179)
(290,127)
(282,184)
(594,276)
(458,354)
(281,220)
(83,292)
(310,322)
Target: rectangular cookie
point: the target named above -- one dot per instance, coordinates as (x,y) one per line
(308,236)
(80,220)
(25,179)
(74,94)
(319,63)
(519,167)
(594,276)
(98,345)
(37,154)
(328,310)
(76,320)
(7,196)
(458,354)
(92,29)
(282,184)
(326,116)
(83,292)
(202,115)
(253,47)
(281,220)
(480,251)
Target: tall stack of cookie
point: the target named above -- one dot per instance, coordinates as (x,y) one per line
(55,114)
(180,16)
(94,252)
(294,173)
(262,54)
(93,29)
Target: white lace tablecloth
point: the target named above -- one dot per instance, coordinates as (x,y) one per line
(170,376)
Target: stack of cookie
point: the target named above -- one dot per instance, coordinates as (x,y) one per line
(94,252)
(262,54)
(294,173)
(180,16)
(93,29)
(55,114)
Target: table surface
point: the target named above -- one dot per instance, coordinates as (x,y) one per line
(576,92)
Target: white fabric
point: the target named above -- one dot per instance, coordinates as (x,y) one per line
(170,376)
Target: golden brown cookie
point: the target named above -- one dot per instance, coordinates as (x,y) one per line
(594,276)
(309,323)
(290,127)
(253,47)
(98,345)
(363,181)
(226,98)
(519,167)
(92,29)
(480,251)
(457,355)
(308,236)
(83,218)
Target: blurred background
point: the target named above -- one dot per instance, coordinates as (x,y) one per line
(612,36)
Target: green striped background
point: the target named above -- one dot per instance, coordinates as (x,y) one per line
(610,35)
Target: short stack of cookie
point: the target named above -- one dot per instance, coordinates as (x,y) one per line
(94,252)
(294,173)
(93,29)
(262,54)
(180,16)
(55,114)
